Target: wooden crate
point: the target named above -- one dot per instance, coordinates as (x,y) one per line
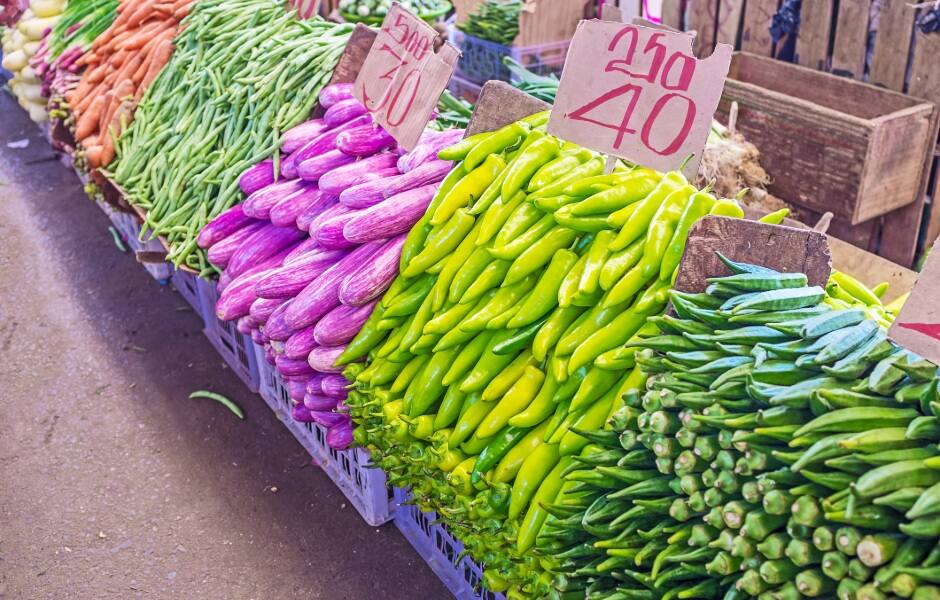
(541,21)
(831,144)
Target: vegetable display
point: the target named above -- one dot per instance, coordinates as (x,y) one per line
(375,10)
(251,71)
(305,258)
(783,448)
(495,21)
(20,44)
(502,335)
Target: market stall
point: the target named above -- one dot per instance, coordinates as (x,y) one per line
(562,360)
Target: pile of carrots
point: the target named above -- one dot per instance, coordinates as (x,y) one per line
(120,65)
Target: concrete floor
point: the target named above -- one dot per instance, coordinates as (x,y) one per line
(113,484)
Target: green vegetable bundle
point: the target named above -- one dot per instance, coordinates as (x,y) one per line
(250,71)
(82,21)
(495,20)
(528,272)
(783,448)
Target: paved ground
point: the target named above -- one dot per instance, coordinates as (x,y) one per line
(112,483)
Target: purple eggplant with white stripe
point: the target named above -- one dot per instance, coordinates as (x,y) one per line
(266,242)
(295,137)
(341,324)
(364,140)
(366,169)
(256,177)
(372,278)
(389,218)
(291,278)
(323,358)
(223,226)
(335,92)
(343,112)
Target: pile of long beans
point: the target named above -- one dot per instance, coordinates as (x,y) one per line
(244,71)
(783,448)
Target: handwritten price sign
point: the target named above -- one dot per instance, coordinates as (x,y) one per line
(917,327)
(638,93)
(404,75)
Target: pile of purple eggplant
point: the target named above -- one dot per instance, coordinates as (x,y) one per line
(317,242)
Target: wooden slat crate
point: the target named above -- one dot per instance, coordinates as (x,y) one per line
(834,36)
(831,144)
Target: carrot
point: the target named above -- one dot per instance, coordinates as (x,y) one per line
(160,58)
(105,116)
(138,75)
(140,13)
(120,119)
(93,155)
(143,35)
(89,141)
(83,103)
(181,4)
(128,69)
(88,122)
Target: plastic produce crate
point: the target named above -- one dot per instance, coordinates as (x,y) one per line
(187,285)
(464,89)
(235,347)
(482,60)
(441,550)
(364,487)
(129,228)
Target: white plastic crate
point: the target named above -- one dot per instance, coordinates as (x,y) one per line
(441,550)
(188,287)
(129,228)
(235,347)
(364,487)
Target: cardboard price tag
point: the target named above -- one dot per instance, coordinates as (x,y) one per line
(917,327)
(306,9)
(404,75)
(638,93)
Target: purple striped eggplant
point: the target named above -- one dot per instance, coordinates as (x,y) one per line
(291,367)
(328,419)
(340,436)
(256,177)
(295,390)
(246,324)
(314,168)
(275,328)
(323,359)
(261,309)
(340,178)
(314,383)
(221,252)
(308,216)
(389,218)
(260,203)
(322,294)
(318,401)
(334,386)
(371,279)
(343,111)
(333,211)
(264,243)
(364,140)
(285,212)
(330,232)
(341,324)
(295,137)
(268,264)
(335,92)
(235,301)
(372,192)
(288,280)
(429,145)
(325,142)
(302,249)
(300,344)
(223,226)
(301,414)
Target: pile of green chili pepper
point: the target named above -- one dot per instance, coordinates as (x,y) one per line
(250,71)
(528,272)
(783,448)
(494,20)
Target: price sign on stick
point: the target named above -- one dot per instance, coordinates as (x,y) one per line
(404,75)
(638,93)
(306,9)
(917,327)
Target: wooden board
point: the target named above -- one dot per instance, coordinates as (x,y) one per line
(786,249)
(501,104)
(701,15)
(755,34)
(812,43)
(901,228)
(360,42)
(830,144)
(933,223)
(851,41)
(892,45)
(672,14)
(729,21)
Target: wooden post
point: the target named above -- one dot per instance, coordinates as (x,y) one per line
(812,43)
(851,43)
(672,14)
(892,45)
(729,21)
(702,15)
(755,36)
